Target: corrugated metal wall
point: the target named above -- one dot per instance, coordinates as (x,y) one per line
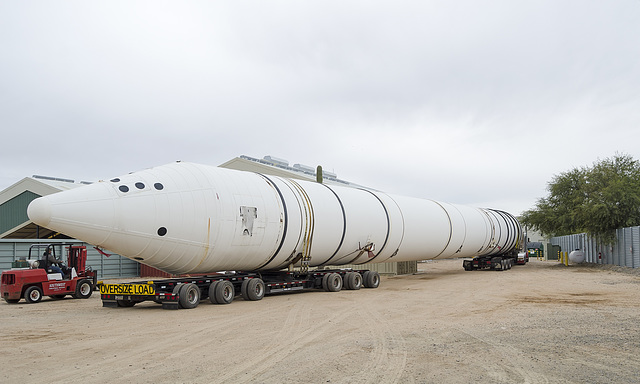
(625,252)
(113,266)
(147,271)
(393,268)
(116,266)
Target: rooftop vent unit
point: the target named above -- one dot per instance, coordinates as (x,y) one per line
(276,161)
(328,174)
(304,168)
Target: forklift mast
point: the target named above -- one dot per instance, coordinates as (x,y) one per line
(77,257)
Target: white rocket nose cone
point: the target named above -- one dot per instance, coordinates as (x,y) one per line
(39,211)
(85,213)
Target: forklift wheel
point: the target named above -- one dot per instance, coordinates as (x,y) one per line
(33,294)
(83,289)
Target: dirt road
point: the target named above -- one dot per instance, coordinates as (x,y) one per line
(539,323)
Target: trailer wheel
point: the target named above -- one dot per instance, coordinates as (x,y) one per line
(353,280)
(346,284)
(212,292)
(467,265)
(224,292)
(325,278)
(125,303)
(255,289)
(243,288)
(33,294)
(189,296)
(371,279)
(496,264)
(334,282)
(83,289)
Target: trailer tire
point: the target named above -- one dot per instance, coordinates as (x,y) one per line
(189,296)
(125,303)
(467,265)
(243,289)
(224,292)
(371,279)
(325,278)
(353,280)
(345,281)
(212,292)
(84,289)
(496,264)
(334,282)
(255,289)
(33,294)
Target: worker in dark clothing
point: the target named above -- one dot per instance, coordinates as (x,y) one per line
(54,264)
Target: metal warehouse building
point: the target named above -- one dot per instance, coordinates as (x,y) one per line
(18,233)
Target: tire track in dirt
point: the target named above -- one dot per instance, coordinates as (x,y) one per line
(505,372)
(178,341)
(389,356)
(290,341)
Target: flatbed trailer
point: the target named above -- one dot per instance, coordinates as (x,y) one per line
(497,263)
(222,288)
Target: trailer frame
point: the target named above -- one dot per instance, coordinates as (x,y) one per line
(222,288)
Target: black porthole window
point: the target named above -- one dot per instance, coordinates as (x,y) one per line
(162,231)
(123,188)
(140,185)
(158,186)
(115,180)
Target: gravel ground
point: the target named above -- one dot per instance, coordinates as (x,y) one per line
(539,323)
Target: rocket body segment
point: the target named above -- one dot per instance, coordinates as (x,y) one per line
(191,218)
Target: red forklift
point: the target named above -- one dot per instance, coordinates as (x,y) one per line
(34,277)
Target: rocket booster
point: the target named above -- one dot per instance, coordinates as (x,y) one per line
(191,218)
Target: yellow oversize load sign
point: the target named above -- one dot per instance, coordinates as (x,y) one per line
(127,289)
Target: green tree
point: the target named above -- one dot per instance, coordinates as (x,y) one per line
(597,200)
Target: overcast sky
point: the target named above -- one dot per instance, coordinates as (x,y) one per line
(470,102)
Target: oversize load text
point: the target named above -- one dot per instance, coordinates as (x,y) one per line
(127,289)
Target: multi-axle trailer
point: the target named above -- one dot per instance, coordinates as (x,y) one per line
(223,288)
(497,263)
